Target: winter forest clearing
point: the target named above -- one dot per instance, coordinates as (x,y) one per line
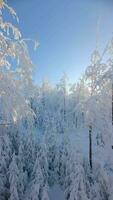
(56,141)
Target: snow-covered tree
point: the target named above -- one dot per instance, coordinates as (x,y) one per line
(12,47)
(13,179)
(5,155)
(37,188)
(75,182)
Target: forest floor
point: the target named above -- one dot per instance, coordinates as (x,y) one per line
(55,193)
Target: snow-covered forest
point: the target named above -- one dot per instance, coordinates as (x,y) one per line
(54,135)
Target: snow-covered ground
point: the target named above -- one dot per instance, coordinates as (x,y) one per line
(55,193)
(80,141)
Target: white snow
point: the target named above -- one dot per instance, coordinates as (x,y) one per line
(55,193)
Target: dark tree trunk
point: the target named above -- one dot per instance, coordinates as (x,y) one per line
(76,122)
(112,104)
(90,146)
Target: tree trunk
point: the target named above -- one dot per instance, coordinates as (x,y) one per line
(76,122)
(90,146)
(112,104)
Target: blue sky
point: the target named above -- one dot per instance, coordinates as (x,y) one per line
(66,31)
